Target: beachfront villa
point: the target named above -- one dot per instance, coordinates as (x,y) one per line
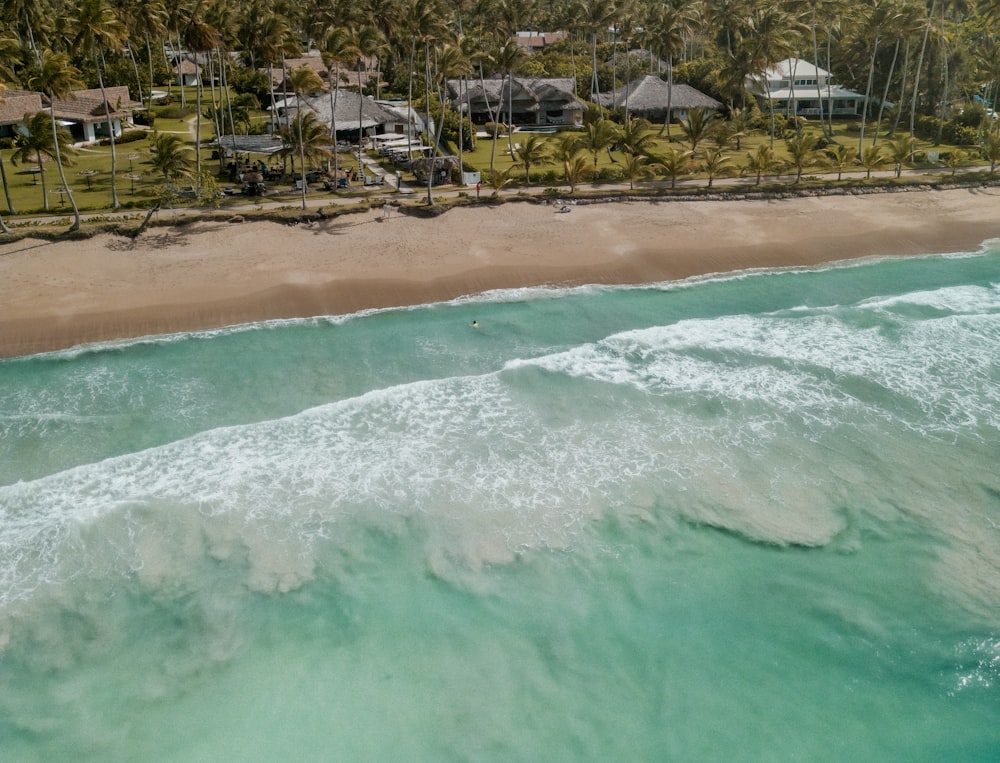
(356,113)
(797,87)
(82,112)
(648,96)
(527,101)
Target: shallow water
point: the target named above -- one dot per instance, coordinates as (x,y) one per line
(745,517)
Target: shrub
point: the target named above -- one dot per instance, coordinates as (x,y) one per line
(493,129)
(127,136)
(147,118)
(176,112)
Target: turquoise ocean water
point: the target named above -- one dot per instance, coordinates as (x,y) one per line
(751,517)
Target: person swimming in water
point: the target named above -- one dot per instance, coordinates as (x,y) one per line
(475,324)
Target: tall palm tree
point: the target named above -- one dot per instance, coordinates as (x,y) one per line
(57,78)
(338,48)
(10,52)
(881,16)
(98,29)
(36,141)
(303,80)
(508,58)
(768,37)
(671,24)
(200,37)
(595,16)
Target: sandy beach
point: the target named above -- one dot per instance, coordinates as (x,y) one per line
(212,274)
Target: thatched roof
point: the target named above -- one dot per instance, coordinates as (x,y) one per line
(16,104)
(431,165)
(372,113)
(648,96)
(528,93)
(88,105)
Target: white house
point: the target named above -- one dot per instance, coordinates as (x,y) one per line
(800,88)
(83,112)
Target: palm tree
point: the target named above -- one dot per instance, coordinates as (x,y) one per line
(37,141)
(802,153)
(201,38)
(715,163)
(595,16)
(636,168)
(670,24)
(991,150)
(635,137)
(308,139)
(57,78)
(338,48)
(872,159)
(497,179)
(9,52)
(170,155)
(532,151)
(674,163)
(508,57)
(769,36)
(597,136)
(881,16)
(761,161)
(697,126)
(841,158)
(900,152)
(303,80)
(575,169)
(954,159)
(97,28)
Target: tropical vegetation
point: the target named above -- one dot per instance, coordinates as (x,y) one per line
(930,70)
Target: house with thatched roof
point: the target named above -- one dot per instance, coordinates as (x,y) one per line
(355,113)
(648,96)
(83,112)
(15,107)
(532,41)
(362,73)
(799,88)
(524,101)
(186,72)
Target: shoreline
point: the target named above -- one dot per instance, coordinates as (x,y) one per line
(207,275)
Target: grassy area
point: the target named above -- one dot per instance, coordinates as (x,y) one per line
(139,186)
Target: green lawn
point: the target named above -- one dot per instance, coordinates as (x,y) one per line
(89,174)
